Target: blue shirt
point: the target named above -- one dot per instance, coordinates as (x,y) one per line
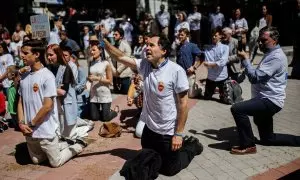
(187,54)
(216,19)
(217,54)
(269,79)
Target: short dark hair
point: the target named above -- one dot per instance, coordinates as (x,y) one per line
(37,46)
(66,48)
(217,30)
(164,43)
(120,31)
(274,33)
(63,33)
(4,47)
(185,30)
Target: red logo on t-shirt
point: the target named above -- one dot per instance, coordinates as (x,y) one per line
(35,87)
(161,86)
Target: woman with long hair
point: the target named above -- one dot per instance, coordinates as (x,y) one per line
(100,76)
(6,60)
(65,83)
(239,28)
(139,47)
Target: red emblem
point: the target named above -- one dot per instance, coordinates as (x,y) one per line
(161,86)
(35,87)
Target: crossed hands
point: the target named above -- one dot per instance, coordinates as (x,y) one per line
(25,129)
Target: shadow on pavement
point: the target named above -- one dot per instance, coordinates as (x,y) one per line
(129,117)
(227,136)
(22,155)
(120,152)
(292,175)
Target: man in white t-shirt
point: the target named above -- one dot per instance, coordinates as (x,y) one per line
(37,110)
(164,106)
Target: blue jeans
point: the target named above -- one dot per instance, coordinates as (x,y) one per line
(262,111)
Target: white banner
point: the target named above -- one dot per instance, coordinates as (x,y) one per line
(50,1)
(40,26)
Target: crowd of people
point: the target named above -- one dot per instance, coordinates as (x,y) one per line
(50,96)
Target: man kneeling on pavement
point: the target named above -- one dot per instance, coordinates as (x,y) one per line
(165,105)
(268,83)
(37,110)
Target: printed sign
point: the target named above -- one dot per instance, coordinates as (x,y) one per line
(49,1)
(40,26)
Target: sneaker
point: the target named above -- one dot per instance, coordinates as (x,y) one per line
(238,150)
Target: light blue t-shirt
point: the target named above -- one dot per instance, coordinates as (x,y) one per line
(161,87)
(274,64)
(217,54)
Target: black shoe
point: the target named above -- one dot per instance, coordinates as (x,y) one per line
(195,144)
(69,141)
(81,142)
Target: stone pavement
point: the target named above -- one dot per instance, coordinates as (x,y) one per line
(209,121)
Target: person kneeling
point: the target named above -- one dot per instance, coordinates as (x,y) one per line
(37,110)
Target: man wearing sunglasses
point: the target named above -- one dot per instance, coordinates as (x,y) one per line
(268,83)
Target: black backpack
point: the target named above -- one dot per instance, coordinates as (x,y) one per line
(232,92)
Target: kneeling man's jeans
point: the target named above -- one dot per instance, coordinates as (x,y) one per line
(262,110)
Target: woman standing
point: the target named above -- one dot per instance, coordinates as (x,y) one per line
(139,47)
(181,22)
(65,83)
(100,76)
(6,60)
(239,28)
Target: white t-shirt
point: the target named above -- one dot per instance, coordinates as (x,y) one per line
(161,87)
(194,20)
(15,47)
(128,28)
(5,61)
(34,87)
(109,25)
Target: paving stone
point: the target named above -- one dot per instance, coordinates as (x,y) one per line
(250,171)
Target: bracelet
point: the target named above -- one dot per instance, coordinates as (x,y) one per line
(178,134)
(22,122)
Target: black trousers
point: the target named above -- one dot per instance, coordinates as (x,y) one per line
(195,37)
(262,111)
(172,161)
(121,85)
(105,114)
(210,87)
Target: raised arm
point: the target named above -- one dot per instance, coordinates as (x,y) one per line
(119,55)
